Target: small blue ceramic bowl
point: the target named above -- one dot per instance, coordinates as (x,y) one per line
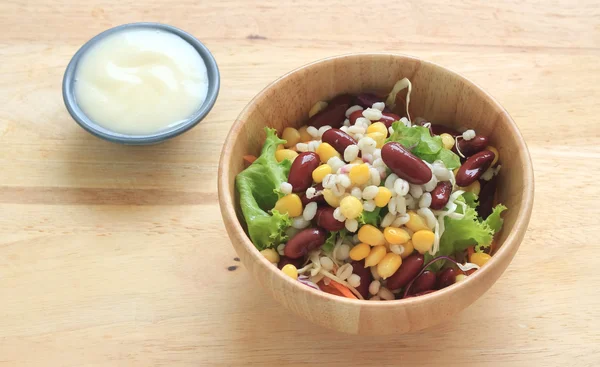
(80,117)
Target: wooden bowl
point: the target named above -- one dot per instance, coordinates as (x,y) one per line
(438,95)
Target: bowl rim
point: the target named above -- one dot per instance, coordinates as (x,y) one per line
(89,125)
(228,212)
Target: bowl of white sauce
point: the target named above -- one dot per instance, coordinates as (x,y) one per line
(141,83)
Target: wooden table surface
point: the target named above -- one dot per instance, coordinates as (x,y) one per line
(117,256)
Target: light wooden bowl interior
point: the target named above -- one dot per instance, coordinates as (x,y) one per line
(438,95)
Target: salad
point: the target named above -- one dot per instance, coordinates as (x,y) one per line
(365,203)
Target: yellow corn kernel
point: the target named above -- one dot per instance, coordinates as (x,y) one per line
(447,140)
(377,127)
(423,240)
(316,108)
(291,136)
(280,147)
(271,255)
(304,135)
(290,270)
(475,188)
(326,151)
(360,251)
(389,265)
(331,199)
(376,254)
(359,175)
(383,197)
(379,139)
(351,207)
(396,236)
(282,154)
(496,154)
(320,172)
(371,235)
(415,222)
(408,249)
(290,204)
(455,171)
(374,273)
(357,161)
(479,258)
(460,278)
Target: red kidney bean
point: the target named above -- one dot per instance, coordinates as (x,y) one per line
(424,282)
(486,197)
(301,171)
(338,139)
(440,195)
(406,272)
(305,241)
(474,167)
(284,260)
(354,116)
(315,199)
(388,118)
(332,115)
(446,278)
(438,129)
(324,218)
(405,164)
(475,145)
(342,99)
(365,277)
(366,100)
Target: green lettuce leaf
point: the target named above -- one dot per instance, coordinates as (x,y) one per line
(332,239)
(258,187)
(371,218)
(462,233)
(494,220)
(416,138)
(450,159)
(420,142)
(459,234)
(330,242)
(471,199)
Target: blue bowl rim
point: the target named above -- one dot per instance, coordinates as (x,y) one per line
(85,122)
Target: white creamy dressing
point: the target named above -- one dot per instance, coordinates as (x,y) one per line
(140,81)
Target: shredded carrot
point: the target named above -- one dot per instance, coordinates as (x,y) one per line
(249,158)
(342,289)
(328,288)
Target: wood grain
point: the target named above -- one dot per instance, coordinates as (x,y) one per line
(109,280)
